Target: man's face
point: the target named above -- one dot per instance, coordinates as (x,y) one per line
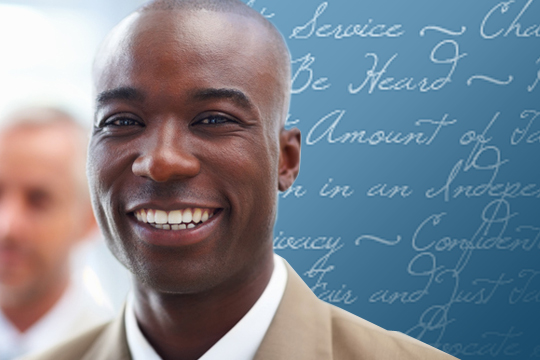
(187,129)
(41,214)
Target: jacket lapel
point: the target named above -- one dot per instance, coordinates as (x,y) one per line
(301,328)
(112,343)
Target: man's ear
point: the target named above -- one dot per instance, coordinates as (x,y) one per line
(289,157)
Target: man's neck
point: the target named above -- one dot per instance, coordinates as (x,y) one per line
(191,324)
(23,311)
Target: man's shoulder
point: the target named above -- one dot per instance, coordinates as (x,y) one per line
(306,327)
(73,348)
(356,338)
(104,342)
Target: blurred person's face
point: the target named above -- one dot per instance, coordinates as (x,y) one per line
(42,211)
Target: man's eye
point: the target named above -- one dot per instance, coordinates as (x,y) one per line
(38,199)
(121,122)
(215,120)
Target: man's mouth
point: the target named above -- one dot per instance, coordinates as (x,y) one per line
(174,219)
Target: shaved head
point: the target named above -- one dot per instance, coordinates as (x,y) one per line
(220,6)
(235,6)
(170,15)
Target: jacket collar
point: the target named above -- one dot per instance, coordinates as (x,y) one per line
(298,331)
(112,343)
(301,327)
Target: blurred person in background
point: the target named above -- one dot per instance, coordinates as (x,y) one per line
(45,213)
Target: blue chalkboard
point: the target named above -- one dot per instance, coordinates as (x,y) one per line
(418,201)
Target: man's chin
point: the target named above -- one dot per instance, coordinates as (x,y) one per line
(13,277)
(181,279)
(174,286)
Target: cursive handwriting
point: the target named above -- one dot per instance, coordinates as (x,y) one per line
(331,191)
(519,134)
(535,82)
(282,242)
(499,344)
(496,214)
(251,3)
(378,137)
(382,191)
(304,73)
(375,79)
(524,293)
(295,190)
(367,30)
(319,270)
(513,28)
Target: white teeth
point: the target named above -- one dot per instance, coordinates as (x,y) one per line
(204,216)
(175,217)
(160,217)
(186,216)
(143,216)
(150,216)
(197,213)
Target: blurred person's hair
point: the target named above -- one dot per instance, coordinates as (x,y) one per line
(43,117)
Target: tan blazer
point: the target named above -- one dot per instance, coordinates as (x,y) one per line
(304,328)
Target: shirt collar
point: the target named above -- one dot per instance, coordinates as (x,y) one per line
(241,342)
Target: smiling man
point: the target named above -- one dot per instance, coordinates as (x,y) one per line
(186,158)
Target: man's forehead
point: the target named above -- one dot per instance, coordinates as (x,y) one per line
(218,50)
(176,41)
(201,32)
(163,52)
(40,155)
(55,142)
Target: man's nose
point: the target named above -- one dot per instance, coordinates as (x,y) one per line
(11,217)
(167,155)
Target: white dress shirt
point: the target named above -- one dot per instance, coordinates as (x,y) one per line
(241,342)
(74,313)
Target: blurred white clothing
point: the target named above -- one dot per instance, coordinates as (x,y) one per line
(75,312)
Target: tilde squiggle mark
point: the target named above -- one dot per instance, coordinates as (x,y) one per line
(378,239)
(490,79)
(443,30)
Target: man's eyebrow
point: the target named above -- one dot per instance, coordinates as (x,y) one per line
(121,93)
(236,95)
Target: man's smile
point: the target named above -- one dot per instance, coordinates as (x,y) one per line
(174,224)
(175,219)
